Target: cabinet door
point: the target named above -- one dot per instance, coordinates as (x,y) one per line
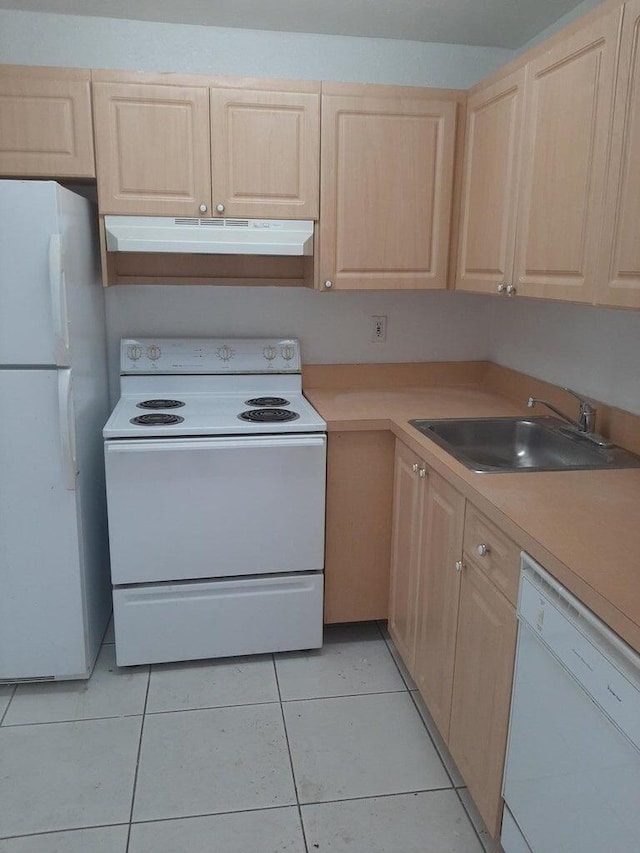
(568,104)
(45,123)
(619,276)
(408,497)
(386,185)
(485,651)
(265,149)
(152,149)
(489,189)
(360,470)
(441,547)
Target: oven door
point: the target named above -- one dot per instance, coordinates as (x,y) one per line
(188,508)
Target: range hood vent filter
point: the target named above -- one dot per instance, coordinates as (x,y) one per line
(192,235)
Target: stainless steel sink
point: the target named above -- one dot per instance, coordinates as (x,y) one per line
(492,445)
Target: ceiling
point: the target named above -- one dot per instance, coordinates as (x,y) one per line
(498,23)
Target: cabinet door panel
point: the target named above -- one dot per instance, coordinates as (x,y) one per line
(619,278)
(568,97)
(485,653)
(489,200)
(440,548)
(152,147)
(45,124)
(265,153)
(408,491)
(387,171)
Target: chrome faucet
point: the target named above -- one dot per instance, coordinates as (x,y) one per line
(587,419)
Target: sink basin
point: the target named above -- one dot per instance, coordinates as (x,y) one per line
(492,445)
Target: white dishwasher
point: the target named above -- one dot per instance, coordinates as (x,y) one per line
(572,774)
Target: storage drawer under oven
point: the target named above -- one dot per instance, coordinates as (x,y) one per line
(206,619)
(182,509)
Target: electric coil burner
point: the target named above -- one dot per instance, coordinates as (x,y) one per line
(160,404)
(267,416)
(216,519)
(157,419)
(267,401)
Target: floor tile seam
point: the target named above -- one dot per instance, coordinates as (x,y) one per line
(12,693)
(292,805)
(432,739)
(135,775)
(469,818)
(388,794)
(342,696)
(293,773)
(211,708)
(78,720)
(60,831)
(249,810)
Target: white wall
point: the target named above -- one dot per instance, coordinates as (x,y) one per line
(594,350)
(66,40)
(333,327)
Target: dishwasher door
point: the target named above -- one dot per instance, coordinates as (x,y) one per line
(572,775)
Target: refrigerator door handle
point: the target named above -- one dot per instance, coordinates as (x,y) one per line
(57,284)
(67,429)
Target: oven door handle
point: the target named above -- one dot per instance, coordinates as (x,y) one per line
(221,443)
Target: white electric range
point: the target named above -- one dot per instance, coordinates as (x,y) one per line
(215,466)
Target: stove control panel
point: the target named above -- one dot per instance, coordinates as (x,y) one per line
(209,355)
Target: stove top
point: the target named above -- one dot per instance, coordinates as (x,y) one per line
(191,404)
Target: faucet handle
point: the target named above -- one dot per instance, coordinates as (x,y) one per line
(586,403)
(588,409)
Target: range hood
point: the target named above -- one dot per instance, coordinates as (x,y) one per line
(187,235)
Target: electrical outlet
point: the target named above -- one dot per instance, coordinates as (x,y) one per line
(379,329)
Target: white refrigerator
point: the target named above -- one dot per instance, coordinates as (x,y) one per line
(54,564)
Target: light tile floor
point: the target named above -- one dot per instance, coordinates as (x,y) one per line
(305,752)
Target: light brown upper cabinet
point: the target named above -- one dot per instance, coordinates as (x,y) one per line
(490,183)
(385,191)
(45,123)
(619,274)
(265,150)
(152,149)
(536,150)
(171,150)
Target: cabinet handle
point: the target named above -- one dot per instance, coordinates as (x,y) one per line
(482,550)
(203,208)
(501,287)
(328,284)
(422,472)
(459,566)
(511,290)
(415,467)
(220,208)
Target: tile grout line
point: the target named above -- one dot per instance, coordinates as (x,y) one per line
(293,775)
(60,831)
(12,693)
(135,777)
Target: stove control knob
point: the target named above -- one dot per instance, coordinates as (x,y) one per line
(288,352)
(134,352)
(225,352)
(270,353)
(153,352)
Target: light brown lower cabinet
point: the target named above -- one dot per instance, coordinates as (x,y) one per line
(358,525)
(484,657)
(451,622)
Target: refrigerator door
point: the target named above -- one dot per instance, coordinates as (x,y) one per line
(34,326)
(42,599)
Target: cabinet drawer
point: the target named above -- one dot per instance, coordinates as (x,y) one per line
(501,558)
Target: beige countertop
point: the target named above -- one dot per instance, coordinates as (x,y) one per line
(582,526)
